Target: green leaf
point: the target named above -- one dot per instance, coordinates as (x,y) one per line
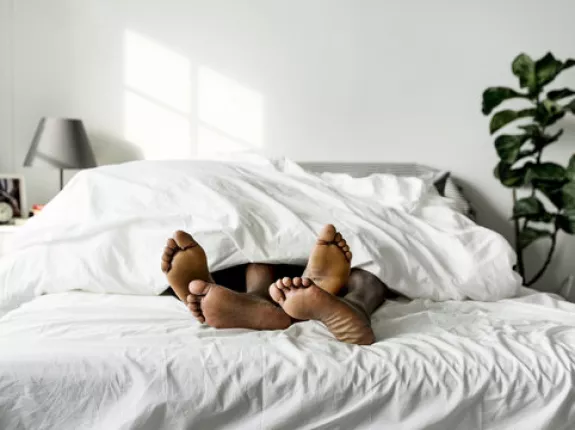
(571,106)
(547,111)
(568,64)
(529,235)
(527,206)
(547,172)
(550,138)
(566,221)
(524,68)
(494,96)
(552,190)
(532,129)
(551,107)
(504,117)
(511,178)
(560,94)
(547,69)
(541,141)
(509,146)
(568,195)
(554,118)
(563,196)
(532,209)
(571,169)
(523,154)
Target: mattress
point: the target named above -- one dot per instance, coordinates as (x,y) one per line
(81,360)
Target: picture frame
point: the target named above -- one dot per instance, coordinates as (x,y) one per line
(13,191)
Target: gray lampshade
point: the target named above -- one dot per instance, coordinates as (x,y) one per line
(61,143)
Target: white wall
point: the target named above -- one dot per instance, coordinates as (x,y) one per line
(5,80)
(369,80)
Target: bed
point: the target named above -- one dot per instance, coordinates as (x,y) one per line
(111,357)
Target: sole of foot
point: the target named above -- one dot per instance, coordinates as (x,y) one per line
(302,299)
(220,307)
(184,261)
(329,264)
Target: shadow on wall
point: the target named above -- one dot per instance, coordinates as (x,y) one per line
(112,150)
(489,217)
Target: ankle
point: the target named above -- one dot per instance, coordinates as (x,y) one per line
(263,295)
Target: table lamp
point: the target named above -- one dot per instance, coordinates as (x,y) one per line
(61,143)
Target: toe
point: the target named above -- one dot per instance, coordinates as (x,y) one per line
(348,255)
(184,240)
(172,244)
(282,285)
(192,298)
(342,243)
(195,307)
(327,234)
(337,238)
(296,282)
(276,294)
(306,282)
(345,248)
(167,257)
(199,316)
(169,251)
(199,288)
(287,282)
(165,266)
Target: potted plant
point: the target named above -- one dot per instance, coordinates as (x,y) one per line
(543,191)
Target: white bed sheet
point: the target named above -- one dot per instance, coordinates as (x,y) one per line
(88,361)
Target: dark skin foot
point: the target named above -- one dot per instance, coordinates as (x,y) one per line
(301,299)
(183,261)
(221,307)
(329,264)
(185,264)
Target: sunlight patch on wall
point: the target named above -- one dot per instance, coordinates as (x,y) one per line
(161,101)
(159,132)
(157,98)
(230,115)
(157,72)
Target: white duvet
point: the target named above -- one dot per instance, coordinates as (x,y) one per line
(90,361)
(105,232)
(130,360)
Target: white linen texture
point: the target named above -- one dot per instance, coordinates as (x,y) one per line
(102,361)
(106,230)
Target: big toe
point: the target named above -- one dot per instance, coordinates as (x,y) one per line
(327,233)
(184,240)
(276,294)
(199,288)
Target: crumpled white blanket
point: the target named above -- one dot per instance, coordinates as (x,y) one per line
(106,230)
(90,361)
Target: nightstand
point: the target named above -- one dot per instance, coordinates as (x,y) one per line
(6,234)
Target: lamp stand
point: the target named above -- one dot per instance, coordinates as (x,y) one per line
(61,179)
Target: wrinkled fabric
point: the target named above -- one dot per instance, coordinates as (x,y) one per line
(88,361)
(106,231)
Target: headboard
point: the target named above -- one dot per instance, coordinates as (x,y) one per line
(443,180)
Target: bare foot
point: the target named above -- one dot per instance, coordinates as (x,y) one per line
(301,299)
(183,261)
(221,307)
(329,264)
